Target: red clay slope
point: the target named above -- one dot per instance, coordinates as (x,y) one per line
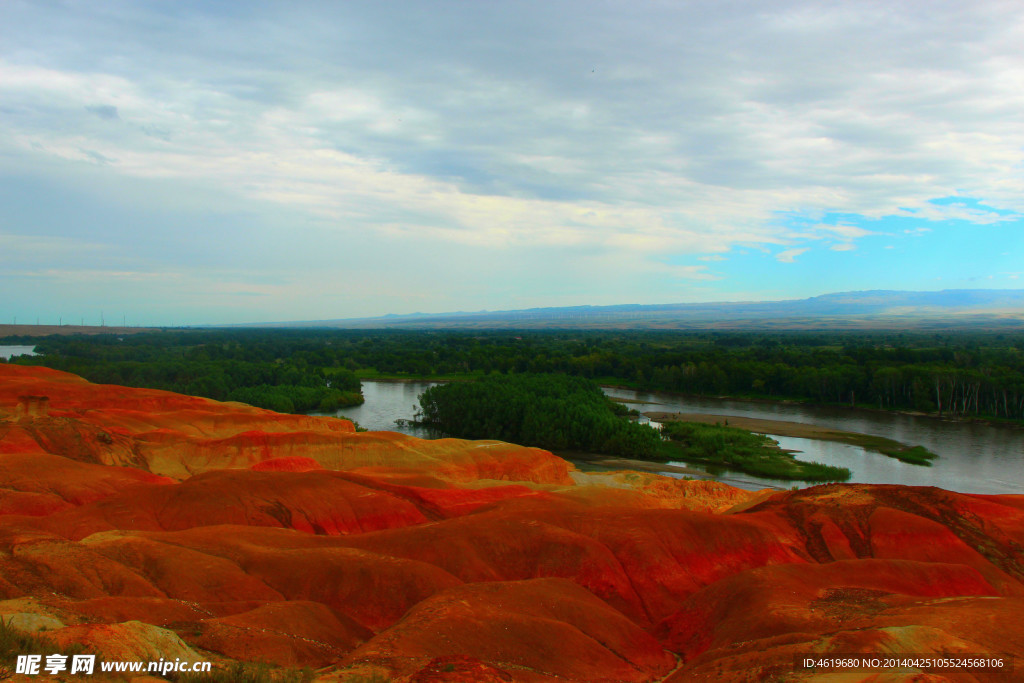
(144,524)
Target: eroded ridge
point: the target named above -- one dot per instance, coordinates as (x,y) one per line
(145,524)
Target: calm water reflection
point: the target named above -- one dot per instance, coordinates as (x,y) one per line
(973,458)
(7,351)
(387,402)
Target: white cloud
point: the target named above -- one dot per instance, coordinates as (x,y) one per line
(789,256)
(869,132)
(675,128)
(848,232)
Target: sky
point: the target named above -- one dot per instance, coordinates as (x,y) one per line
(176,163)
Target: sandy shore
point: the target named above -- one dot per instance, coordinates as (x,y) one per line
(602,461)
(759,425)
(878,444)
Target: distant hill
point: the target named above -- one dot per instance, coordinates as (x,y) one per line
(874,309)
(46,330)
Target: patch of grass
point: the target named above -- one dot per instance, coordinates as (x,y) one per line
(915,455)
(717,446)
(14,642)
(918,455)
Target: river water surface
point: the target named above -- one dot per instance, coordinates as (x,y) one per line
(7,351)
(973,458)
(386,402)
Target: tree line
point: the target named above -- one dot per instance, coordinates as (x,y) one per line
(956,374)
(555,412)
(239,370)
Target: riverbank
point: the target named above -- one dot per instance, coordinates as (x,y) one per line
(374,376)
(599,462)
(915,455)
(717,447)
(863,407)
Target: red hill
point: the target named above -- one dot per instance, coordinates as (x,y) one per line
(157,525)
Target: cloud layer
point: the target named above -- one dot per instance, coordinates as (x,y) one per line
(639,135)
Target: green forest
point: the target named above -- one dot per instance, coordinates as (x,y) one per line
(955,374)
(556,412)
(263,371)
(563,413)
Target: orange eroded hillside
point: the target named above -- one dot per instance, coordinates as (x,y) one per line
(145,524)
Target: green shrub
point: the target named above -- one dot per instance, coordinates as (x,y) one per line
(739,449)
(550,411)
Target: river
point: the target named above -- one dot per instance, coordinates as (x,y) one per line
(7,352)
(973,458)
(386,402)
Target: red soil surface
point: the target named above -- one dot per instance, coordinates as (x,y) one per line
(144,524)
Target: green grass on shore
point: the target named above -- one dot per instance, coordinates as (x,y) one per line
(717,446)
(914,455)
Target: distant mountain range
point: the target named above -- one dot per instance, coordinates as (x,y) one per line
(875,309)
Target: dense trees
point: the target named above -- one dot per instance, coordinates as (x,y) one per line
(261,371)
(556,412)
(979,374)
